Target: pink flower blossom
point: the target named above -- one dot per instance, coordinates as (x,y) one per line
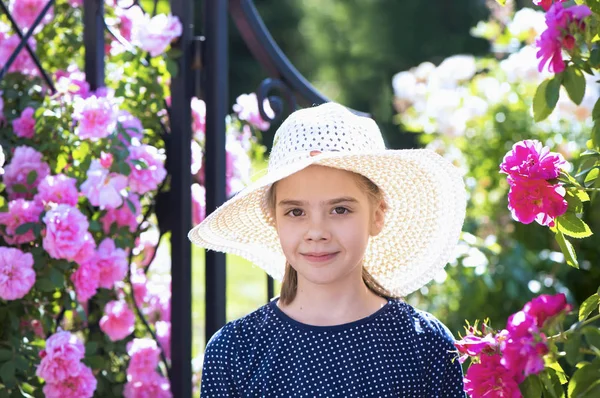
(25,13)
(163,335)
(118,321)
(524,355)
(1,117)
(123,216)
(246,107)
(546,4)
(147,168)
(521,324)
(61,358)
(131,124)
(198,118)
(490,379)
(156,34)
(20,212)
(25,160)
(17,276)
(75,385)
(23,63)
(550,51)
(144,356)
(546,306)
(67,235)
(138,284)
(529,159)
(86,280)
(153,386)
(237,166)
(102,188)
(111,263)
(128,18)
(106,160)
(472,345)
(198,203)
(530,200)
(97,117)
(197,167)
(146,246)
(57,189)
(24,125)
(72,82)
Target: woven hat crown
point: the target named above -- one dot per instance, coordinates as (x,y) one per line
(326,128)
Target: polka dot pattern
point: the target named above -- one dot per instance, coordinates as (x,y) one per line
(396,352)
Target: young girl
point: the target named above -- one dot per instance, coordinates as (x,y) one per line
(349,227)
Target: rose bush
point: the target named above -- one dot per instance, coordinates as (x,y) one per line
(523,127)
(82,311)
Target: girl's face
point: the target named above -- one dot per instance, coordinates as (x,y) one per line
(324,221)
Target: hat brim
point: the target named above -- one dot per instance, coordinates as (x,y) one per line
(426,202)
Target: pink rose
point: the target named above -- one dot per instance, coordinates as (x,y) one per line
(154,35)
(118,321)
(20,212)
(131,124)
(145,246)
(147,168)
(128,18)
(198,118)
(153,385)
(246,107)
(26,11)
(163,335)
(528,159)
(24,125)
(524,355)
(23,63)
(67,235)
(546,306)
(57,189)
(102,188)
(472,345)
(123,216)
(538,200)
(72,82)
(111,263)
(198,203)
(61,358)
(17,276)
(138,284)
(75,385)
(86,280)
(97,117)
(25,160)
(490,379)
(197,167)
(521,324)
(144,356)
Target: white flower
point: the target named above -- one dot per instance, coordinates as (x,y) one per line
(527,24)
(455,69)
(405,85)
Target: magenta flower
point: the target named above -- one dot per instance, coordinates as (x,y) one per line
(57,189)
(20,211)
(17,276)
(490,379)
(550,51)
(538,200)
(147,168)
(144,356)
(198,203)
(529,159)
(118,321)
(111,263)
(102,188)
(132,124)
(75,385)
(524,355)
(123,216)
(23,63)
(472,345)
(24,125)
(86,280)
(154,385)
(25,160)
(546,4)
(128,18)
(61,358)
(67,235)
(246,107)
(521,324)
(198,118)
(26,11)
(97,117)
(156,34)
(546,306)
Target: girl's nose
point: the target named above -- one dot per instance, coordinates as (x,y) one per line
(317,230)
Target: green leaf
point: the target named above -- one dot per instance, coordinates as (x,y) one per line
(95,226)
(574,203)
(592,336)
(551,383)
(44,285)
(95,361)
(594,56)
(574,82)
(172,67)
(20,188)
(531,387)
(5,354)
(31,177)
(591,177)
(24,228)
(595,135)
(7,373)
(501,2)
(582,379)
(57,278)
(91,347)
(130,205)
(560,372)
(588,306)
(572,347)
(545,99)
(571,225)
(596,110)
(567,249)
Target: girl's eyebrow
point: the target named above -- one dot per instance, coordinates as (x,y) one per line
(343,199)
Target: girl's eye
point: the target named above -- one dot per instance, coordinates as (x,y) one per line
(295,212)
(341,210)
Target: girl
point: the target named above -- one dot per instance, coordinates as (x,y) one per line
(349,227)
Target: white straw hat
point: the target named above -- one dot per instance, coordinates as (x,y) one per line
(424,193)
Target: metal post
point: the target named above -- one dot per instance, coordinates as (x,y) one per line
(181,200)
(216,75)
(93,40)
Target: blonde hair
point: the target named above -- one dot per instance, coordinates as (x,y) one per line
(289,284)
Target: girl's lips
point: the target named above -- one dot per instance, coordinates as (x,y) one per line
(320,258)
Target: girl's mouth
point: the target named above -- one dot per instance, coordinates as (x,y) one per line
(319,257)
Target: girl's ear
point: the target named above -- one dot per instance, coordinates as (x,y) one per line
(378,219)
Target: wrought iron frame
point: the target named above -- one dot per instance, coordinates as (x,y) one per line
(204,62)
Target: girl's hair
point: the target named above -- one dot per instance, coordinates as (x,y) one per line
(290,278)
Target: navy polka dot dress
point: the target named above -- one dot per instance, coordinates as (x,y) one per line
(396,352)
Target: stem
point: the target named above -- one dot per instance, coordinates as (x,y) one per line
(566,332)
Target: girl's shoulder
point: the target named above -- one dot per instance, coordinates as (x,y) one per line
(421,322)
